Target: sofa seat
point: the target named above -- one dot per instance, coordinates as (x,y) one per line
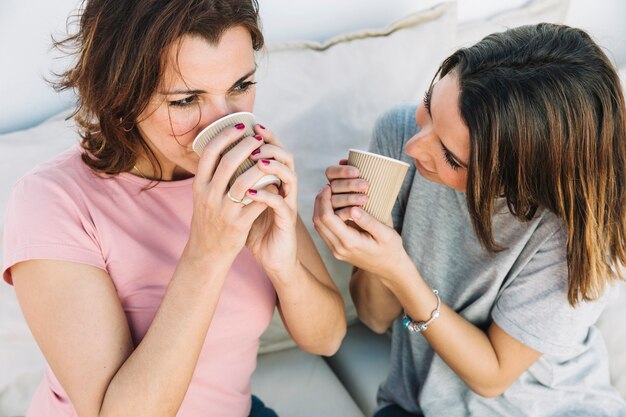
(361,364)
(297,384)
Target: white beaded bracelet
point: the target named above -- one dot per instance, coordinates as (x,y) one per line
(420,326)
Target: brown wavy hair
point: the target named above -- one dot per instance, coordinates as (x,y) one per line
(545,111)
(119,59)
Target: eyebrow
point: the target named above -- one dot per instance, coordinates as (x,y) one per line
(195,92)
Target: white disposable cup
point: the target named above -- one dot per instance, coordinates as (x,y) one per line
(384,176)
(208,133)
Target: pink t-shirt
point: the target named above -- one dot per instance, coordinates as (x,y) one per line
(63,211)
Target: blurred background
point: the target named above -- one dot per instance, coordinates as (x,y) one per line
(283,21)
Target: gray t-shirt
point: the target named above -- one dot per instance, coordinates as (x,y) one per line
(523,289)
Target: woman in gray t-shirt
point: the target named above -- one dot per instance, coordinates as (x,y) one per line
(508,229)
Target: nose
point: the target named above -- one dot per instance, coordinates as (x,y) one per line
(214,109)
(421,148)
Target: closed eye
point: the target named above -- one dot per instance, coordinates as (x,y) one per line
(243,87)
(187,101)
(450,159)
(427,99)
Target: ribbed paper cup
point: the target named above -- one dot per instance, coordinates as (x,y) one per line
(384,175)
(208,133)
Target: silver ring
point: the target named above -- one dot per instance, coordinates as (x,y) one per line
(233,199)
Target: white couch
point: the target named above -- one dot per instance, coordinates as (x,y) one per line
(322,83)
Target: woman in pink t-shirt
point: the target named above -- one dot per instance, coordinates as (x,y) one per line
(146,282)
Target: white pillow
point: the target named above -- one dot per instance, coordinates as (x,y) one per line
(323,98)
(21,361)
(535,11)
(27,58)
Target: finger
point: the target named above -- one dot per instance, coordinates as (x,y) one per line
(346,200)
(268,135)
(269,151)
(330,220)
(349,186)
(232,160)
(341,172)
(282,211)
(368,223)
(318,213)
(344,214)
(288,178)
(246,181)
(211,154)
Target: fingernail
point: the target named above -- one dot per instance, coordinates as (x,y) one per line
(362,199)
(265,161)
(252,191)
(258,137)
(356,213)
(261,126)
(256,151)
(362,185)
(240,126)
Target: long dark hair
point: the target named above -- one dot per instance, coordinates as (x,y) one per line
(119,49)
(545,112)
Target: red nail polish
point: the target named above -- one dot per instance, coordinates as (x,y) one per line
(265,161)
(251,191)
(240,126)
(261,126)
(256,151)
(258,137)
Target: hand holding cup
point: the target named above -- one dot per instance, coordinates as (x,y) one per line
(208,133)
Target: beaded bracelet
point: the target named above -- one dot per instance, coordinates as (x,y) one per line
(420,326)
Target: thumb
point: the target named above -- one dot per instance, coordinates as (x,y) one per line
(367,222)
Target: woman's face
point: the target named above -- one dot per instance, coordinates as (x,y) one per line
(441,148)
(201,82)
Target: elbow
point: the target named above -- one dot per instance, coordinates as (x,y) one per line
(326,346)
(489,390)
(333,346)
(373,322)
(376,327)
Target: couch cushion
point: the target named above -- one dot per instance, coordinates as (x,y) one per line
(361,364)
(535,11)
(323,98)
(297,384)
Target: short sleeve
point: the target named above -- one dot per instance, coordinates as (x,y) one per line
(392,130)
(533,306)
(46,218)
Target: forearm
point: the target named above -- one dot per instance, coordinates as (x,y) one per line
(466,349)
(154,378)
(313,313)
(377,307)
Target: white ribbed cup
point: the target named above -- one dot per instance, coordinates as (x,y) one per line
(208,133)
(384,175)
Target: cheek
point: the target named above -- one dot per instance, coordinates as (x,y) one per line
(453,179)
(181,122)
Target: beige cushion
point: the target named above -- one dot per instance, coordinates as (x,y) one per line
(535,11)
(296,384)
(323,98)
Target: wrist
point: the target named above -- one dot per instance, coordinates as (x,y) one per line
(287,276)
(202,261)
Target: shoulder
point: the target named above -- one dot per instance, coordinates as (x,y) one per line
(393,129)
(60,181)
